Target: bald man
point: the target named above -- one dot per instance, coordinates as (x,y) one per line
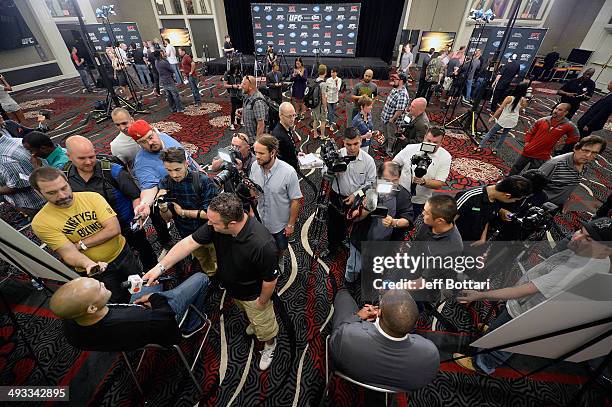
(542,137)
(577,91)
(284,134)
(92,323)
(417,125)
(88,174)
(123,146)
(364,87)
(374,345)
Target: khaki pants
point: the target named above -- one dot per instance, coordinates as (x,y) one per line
(207,258)
(263,321)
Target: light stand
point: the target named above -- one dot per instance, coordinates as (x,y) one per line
(315,64)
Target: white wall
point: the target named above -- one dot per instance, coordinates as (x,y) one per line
(599,39)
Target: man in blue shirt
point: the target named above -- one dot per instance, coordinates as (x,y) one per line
(42,148)
(149,169)
(187,194)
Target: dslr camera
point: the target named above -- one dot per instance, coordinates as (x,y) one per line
(372,198)
(332,159)
(229,170)
(422,160)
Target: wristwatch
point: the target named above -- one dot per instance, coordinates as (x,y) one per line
(161,267)
(291,226)
(82,245)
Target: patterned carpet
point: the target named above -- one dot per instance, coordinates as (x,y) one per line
(228,368)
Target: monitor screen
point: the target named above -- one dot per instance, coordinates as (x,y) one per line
(579,56)
(179,37)
(436,39)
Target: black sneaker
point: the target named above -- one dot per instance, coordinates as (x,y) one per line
(189,333)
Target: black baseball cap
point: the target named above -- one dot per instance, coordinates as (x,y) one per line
(600,230)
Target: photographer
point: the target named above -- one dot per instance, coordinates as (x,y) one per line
(279,204)
(374,226)
(247,265)
(359,174)
(86,173)
(239,144)
(587,253)
(413,159)
(184,195)
(414,126)
(43,148)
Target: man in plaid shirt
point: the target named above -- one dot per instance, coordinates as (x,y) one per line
(394,108)
(254,110)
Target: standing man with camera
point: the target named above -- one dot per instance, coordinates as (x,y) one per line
(393,110)
(247,265)
(431,167)
(254,110)
(372,226)
(360,173)
(279,205)
(414,125)
(186,196)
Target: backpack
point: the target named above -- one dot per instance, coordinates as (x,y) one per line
(312,94)
(109,172)
(273,110)
(432,72)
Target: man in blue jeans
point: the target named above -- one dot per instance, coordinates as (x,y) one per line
(587,253)
(91,323)
(188,66)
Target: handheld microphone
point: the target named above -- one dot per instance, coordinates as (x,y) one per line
(134,282)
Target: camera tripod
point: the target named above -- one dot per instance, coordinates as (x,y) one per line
(320,216)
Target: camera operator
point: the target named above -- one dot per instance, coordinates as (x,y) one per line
(414,126)
(43,148)
(247,265)
(371,226)
(85,173)
(478,207)
(84,230)
(413,158)
(359,174)
(279,205)
(254,110)
(184,195)
(587,253)
(393,110)
(566,171)
(239,144)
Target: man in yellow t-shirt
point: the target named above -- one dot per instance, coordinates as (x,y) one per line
(83,229)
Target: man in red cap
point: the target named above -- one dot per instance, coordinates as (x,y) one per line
(148,168)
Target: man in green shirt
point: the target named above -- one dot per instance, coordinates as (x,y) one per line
(42,148)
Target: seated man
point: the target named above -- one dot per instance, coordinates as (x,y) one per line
(43,148)
(375,346)
(90,322)
(587,254)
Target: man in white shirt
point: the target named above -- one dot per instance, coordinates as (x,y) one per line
(587,253)
(123,146)
(173,60)
(437,172)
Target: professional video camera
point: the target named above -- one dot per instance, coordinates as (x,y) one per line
(536,218)
(372,198)
(242,184)
(422,160)
(332,159)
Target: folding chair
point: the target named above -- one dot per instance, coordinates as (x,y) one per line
(330,372)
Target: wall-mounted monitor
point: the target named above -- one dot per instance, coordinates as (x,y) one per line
(436,39)
(580,56)
(179,37)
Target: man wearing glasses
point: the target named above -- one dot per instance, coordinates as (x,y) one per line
(149,169)
(565,171)
(254,112)
(123,146)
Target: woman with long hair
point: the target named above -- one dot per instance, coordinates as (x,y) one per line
(300,79)
(506,116)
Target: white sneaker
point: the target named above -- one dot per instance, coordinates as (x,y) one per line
(250,330)
(266,356)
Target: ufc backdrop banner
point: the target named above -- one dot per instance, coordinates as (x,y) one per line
(122,32)
(306,29)
(524,42)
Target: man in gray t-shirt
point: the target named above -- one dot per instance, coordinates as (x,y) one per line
(364,87)
(587,253)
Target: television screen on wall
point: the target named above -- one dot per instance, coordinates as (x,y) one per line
(179,37)
(580,56)
(436,39)
(14,32)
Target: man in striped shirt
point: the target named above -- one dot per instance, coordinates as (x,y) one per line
(565,171)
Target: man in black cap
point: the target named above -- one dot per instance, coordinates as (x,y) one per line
(587,253)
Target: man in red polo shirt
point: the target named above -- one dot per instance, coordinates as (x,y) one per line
(542,137)
(188,67)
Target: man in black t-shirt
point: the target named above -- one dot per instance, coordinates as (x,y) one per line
(228,51)
(577,90)
(283,133)
(503,80)
(90,323)
(247,265)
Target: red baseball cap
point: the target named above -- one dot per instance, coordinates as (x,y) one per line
(139,129)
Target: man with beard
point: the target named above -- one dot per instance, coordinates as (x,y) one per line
(365,87)
(577,90)
(84,230)
(393,110)
(254,110)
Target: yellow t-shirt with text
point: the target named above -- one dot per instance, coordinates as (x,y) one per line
(58,226)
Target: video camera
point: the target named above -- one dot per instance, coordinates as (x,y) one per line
(371,198)
(242,184)
(422,160)
(536,218)
(332,159)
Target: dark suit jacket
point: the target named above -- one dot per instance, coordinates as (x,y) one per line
(360,351)
(286,146)
(597,115)
(274,92)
